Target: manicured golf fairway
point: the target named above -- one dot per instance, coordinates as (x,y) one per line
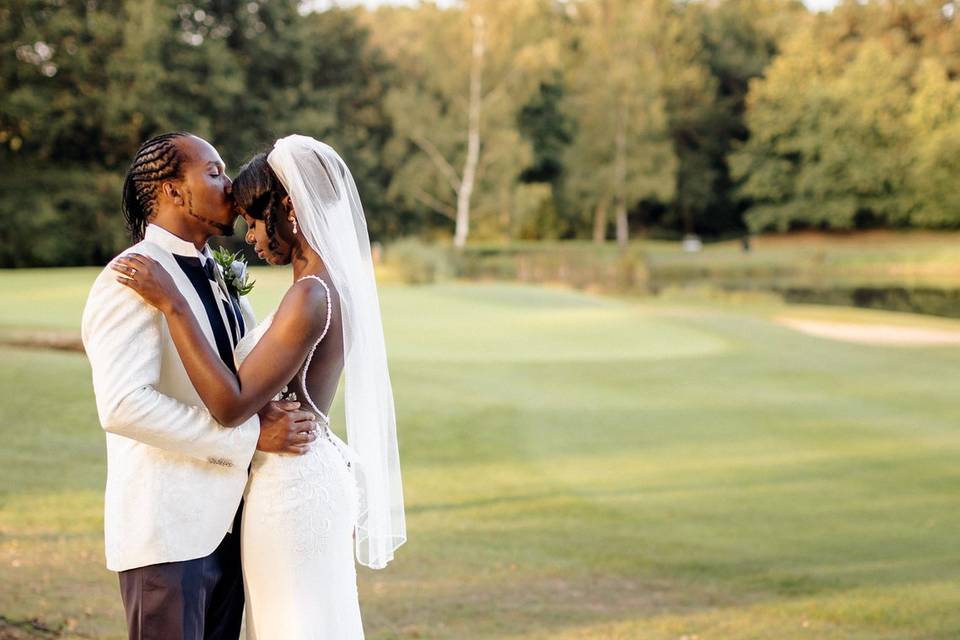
(575,467)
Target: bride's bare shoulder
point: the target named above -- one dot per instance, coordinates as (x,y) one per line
(304,305)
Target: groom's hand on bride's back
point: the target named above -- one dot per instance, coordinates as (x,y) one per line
(286,429)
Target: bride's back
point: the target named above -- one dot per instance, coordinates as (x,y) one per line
(316,382)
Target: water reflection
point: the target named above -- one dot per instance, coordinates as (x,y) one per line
(927,300)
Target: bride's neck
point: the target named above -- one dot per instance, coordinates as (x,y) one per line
(306,262)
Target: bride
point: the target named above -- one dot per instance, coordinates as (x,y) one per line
(300,512)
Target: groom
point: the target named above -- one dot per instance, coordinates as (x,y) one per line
(175,477)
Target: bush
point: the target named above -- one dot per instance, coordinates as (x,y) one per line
(579,265)
(416,262)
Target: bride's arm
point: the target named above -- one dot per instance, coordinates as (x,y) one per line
(274,361)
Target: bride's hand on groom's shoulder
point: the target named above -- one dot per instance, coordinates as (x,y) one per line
(148,278)
(286,429)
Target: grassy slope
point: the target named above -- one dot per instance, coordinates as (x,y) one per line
(575,467)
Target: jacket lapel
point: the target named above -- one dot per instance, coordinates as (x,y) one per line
(186,288)
(227,308)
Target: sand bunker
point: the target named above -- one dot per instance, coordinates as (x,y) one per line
(883,334)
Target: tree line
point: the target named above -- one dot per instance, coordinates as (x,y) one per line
(492,121)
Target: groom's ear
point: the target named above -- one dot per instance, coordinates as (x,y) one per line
(171,191)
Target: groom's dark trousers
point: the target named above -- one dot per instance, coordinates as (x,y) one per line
(200,599)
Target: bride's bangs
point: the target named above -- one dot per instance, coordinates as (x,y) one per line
(256,188)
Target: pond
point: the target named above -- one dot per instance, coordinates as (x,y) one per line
(927,300)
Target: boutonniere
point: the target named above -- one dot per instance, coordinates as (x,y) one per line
(233,266)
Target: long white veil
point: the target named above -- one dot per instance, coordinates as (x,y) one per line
(330,217)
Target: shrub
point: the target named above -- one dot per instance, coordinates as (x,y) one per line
(416,262)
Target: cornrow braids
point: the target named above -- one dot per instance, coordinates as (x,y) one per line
(157,159)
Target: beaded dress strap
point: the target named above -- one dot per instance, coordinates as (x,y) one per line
(306,365)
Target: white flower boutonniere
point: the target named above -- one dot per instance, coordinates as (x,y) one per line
(234,269)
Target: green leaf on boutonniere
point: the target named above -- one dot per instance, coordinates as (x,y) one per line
(233,266)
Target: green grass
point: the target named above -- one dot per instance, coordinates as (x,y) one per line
(575,467)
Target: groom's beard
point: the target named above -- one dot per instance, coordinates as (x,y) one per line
(222,228)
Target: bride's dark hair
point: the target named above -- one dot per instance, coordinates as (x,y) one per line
(259,192)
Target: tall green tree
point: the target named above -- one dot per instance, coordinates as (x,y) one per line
(83,84)
(836,136)
(711,52)
(549,131)
(621,152)
(934,127)
(57,144)
(467,71)
(828,144)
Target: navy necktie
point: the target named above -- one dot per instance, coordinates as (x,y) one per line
(208,268)
(196,272)
(232,308)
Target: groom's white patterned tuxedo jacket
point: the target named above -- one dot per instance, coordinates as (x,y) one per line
(174,475)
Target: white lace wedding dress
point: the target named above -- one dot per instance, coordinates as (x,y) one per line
(297,534)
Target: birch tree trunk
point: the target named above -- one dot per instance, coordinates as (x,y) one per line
(473,135)
(620,177)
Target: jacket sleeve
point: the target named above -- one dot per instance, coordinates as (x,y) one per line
(122,336)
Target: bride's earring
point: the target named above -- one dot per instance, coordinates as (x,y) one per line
(293,219)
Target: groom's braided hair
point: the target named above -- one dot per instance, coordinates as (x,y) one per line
(157,159)
(259,192)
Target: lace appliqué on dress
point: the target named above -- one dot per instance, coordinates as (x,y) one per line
(304,503)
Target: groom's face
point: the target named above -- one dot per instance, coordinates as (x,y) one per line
(206,187)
